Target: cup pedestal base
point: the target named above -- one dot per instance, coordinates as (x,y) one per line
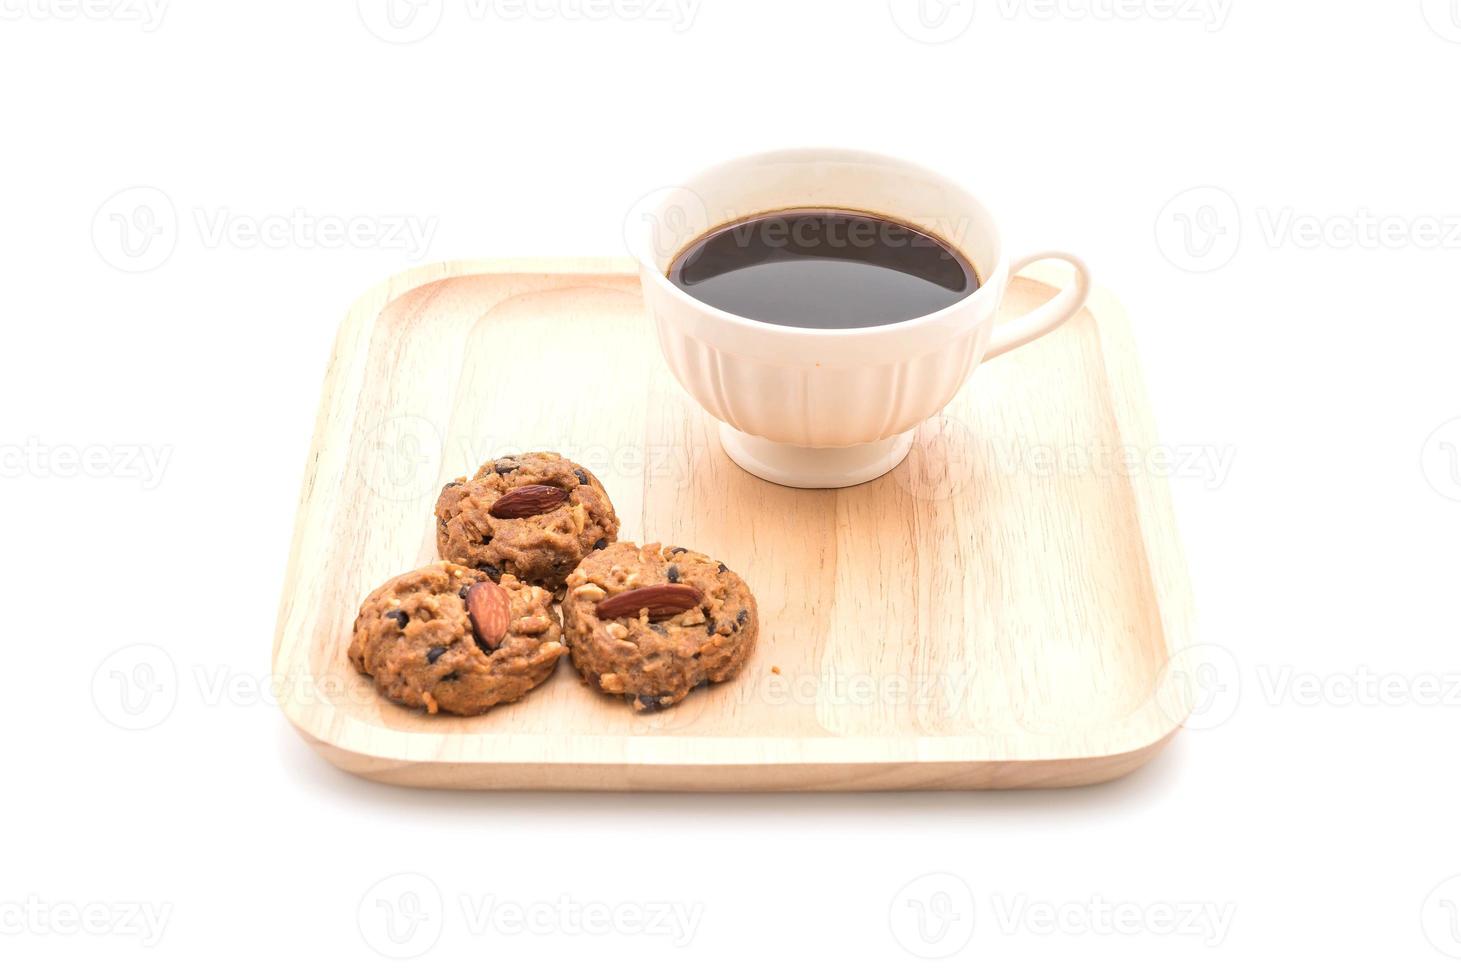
(806,467)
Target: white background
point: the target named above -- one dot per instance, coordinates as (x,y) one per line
(1316,826)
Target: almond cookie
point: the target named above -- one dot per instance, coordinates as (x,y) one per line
(448,638)
(533,516)
(651,624)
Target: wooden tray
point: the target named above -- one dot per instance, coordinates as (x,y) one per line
(994,613)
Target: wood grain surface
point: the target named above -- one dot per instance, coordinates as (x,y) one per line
(1007,608)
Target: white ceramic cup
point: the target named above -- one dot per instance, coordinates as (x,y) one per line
(807,407)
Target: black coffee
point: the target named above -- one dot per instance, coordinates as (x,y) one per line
(830,269)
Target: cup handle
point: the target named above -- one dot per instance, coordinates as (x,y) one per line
(1049,315)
